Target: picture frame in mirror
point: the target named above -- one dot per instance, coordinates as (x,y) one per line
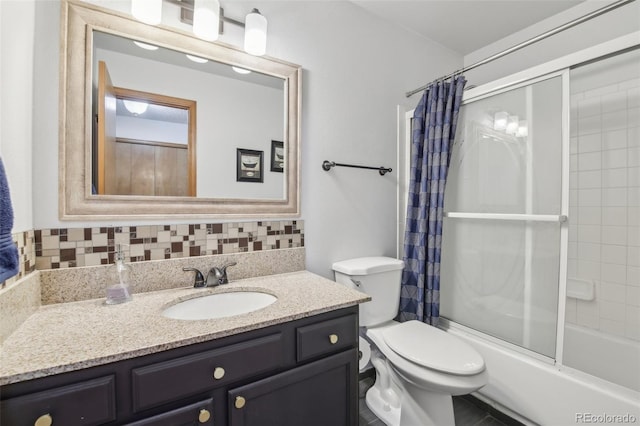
(249,165)
(277,156)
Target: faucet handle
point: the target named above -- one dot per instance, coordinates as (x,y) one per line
(199,280)
(221,273)
(225,266)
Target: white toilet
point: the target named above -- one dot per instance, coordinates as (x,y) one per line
(418,366)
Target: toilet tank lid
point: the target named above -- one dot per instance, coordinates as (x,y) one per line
(368,265)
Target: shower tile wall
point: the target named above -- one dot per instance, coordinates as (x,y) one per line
(604,232)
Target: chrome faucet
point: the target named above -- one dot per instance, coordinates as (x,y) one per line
(215,277)
(219,275)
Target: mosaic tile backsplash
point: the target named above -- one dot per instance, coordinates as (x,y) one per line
(25,241)
(75,247)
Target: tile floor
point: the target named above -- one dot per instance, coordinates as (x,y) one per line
(468,411)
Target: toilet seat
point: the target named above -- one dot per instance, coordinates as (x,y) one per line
(433,348)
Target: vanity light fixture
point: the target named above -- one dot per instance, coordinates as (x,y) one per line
(510,124)
(197,59)
(135,107)
(255,33)
(145,45)
(147,11)
(207,18)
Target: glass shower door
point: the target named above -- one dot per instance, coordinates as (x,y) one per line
(504,216)
(603,273)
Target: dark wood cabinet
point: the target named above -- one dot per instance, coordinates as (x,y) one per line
(166,381)
(200,413)
(284,399)
(325,337)
(302,372)
(87,403)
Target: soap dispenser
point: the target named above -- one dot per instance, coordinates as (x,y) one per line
(119,280)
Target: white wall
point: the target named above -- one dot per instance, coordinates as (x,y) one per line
(16,86)
(132,127)
(619,22)
(356,70)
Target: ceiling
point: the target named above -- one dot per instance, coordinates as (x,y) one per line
(465,25)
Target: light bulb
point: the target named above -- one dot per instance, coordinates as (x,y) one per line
(523,129)
(147,11)
(255,33)
(206,19)
(500,120)
(512,125)
(135,107)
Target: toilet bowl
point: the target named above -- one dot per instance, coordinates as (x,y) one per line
(428,366)
(418,367)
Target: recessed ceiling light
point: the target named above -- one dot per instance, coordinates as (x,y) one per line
(145,45)
(135,107)
(198,59)
(241,70)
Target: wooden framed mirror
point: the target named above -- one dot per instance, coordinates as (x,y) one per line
(210,147)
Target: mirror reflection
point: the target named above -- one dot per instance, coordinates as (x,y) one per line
(171,125)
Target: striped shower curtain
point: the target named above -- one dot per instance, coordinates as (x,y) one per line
(434,127)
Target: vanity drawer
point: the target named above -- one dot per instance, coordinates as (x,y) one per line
(87,403)
(200,413)
(326,337)
(162,382)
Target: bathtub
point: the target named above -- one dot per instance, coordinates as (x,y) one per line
(612,358)
(535,391)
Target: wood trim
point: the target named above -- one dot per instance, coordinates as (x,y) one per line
(154,98)
(76,201)
(152,143)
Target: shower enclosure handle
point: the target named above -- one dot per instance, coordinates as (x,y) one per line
(508,216)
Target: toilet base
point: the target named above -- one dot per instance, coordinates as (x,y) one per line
(429,409)
(424,408)
(389,415)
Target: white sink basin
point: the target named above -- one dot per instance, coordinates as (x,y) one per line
(219,305)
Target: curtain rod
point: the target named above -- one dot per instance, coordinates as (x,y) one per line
(531,41)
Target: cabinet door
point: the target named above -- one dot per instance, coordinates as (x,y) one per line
(322,393)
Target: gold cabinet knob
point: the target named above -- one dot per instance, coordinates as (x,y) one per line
(204,416)
(240,402)
(218,373)
(44,420)
(333,338)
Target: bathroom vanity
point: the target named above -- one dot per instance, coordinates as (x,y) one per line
(292,363)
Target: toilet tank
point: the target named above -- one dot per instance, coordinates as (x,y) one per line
(380,278)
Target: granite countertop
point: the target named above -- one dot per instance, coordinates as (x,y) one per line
(71,336)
